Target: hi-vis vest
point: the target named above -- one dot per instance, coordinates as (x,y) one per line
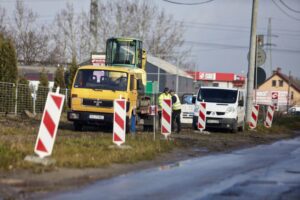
(177,104)
(163,96)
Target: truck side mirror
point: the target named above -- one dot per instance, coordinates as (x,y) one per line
(140,86)
(194,100)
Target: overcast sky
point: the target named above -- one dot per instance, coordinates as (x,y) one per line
(218,31)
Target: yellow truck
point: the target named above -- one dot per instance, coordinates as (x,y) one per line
(95,88)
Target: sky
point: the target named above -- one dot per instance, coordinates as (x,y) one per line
(217,32)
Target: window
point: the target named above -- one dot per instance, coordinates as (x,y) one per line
(274,83)
(215,84)
(280,82)
(101,80)
(292,95)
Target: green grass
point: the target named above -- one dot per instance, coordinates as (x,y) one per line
(92,149)
(75,149)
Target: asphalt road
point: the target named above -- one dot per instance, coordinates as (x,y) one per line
(262,172)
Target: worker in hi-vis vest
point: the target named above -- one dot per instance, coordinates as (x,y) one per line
(176,111)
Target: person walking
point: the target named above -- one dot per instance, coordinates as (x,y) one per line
(176,111)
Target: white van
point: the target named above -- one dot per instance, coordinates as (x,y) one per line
(225,108)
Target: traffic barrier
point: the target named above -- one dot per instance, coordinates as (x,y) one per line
(269,116)
(49,124)
(254,117)
(119,128)
(166,117)
(202,116)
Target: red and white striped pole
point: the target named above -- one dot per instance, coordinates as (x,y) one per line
(119,128)
(166,117)
(254,117)
(49,124)
(269,116)
(202,116)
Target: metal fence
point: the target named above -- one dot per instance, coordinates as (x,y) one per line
(16,98)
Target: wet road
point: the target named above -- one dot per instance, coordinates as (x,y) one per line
(262,172)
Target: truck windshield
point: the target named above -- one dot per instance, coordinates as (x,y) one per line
(101,79)
(217,95)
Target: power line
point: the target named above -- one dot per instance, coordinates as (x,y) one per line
(288,7)
(188,4)
(283,11)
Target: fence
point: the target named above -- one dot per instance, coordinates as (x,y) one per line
(16,98)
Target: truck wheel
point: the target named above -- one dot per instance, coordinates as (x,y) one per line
(77,126)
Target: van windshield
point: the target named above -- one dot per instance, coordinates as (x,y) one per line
(217,95)
(101,79)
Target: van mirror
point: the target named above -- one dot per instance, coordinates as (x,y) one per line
(194,100)
(241,103)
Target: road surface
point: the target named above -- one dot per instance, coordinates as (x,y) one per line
(262,172)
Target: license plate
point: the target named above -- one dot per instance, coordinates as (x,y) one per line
(212,121)
(96,117)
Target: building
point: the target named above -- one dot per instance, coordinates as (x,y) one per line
(217,79)
(32,74)
(288,91)
(167,74)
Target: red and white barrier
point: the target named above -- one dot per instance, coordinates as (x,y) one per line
(254,117)
(202,116)
(49,124)
(119,128)
(166,117)
(269,116)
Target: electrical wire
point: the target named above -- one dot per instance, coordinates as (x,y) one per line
(283,11)
(188,4)
(288,7)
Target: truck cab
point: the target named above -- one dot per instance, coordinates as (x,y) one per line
(95,88)
(225,108)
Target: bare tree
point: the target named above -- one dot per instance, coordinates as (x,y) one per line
(71,34)
(31,40)
(3,27)
(161,34)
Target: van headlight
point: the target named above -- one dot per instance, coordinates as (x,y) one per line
(230,109)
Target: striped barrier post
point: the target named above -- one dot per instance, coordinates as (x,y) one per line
(254,117)
(119,128)
(269,116)
(49,124)
(166,117)
(202,116)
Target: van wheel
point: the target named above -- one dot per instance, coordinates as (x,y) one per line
(128,124)
(234,127)
(77,126)
(194,125)
(242,128)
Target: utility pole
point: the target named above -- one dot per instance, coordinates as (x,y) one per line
(269,47)
(251,64)
(94,23)
(288,94)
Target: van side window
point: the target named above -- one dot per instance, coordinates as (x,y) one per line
(132,82)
